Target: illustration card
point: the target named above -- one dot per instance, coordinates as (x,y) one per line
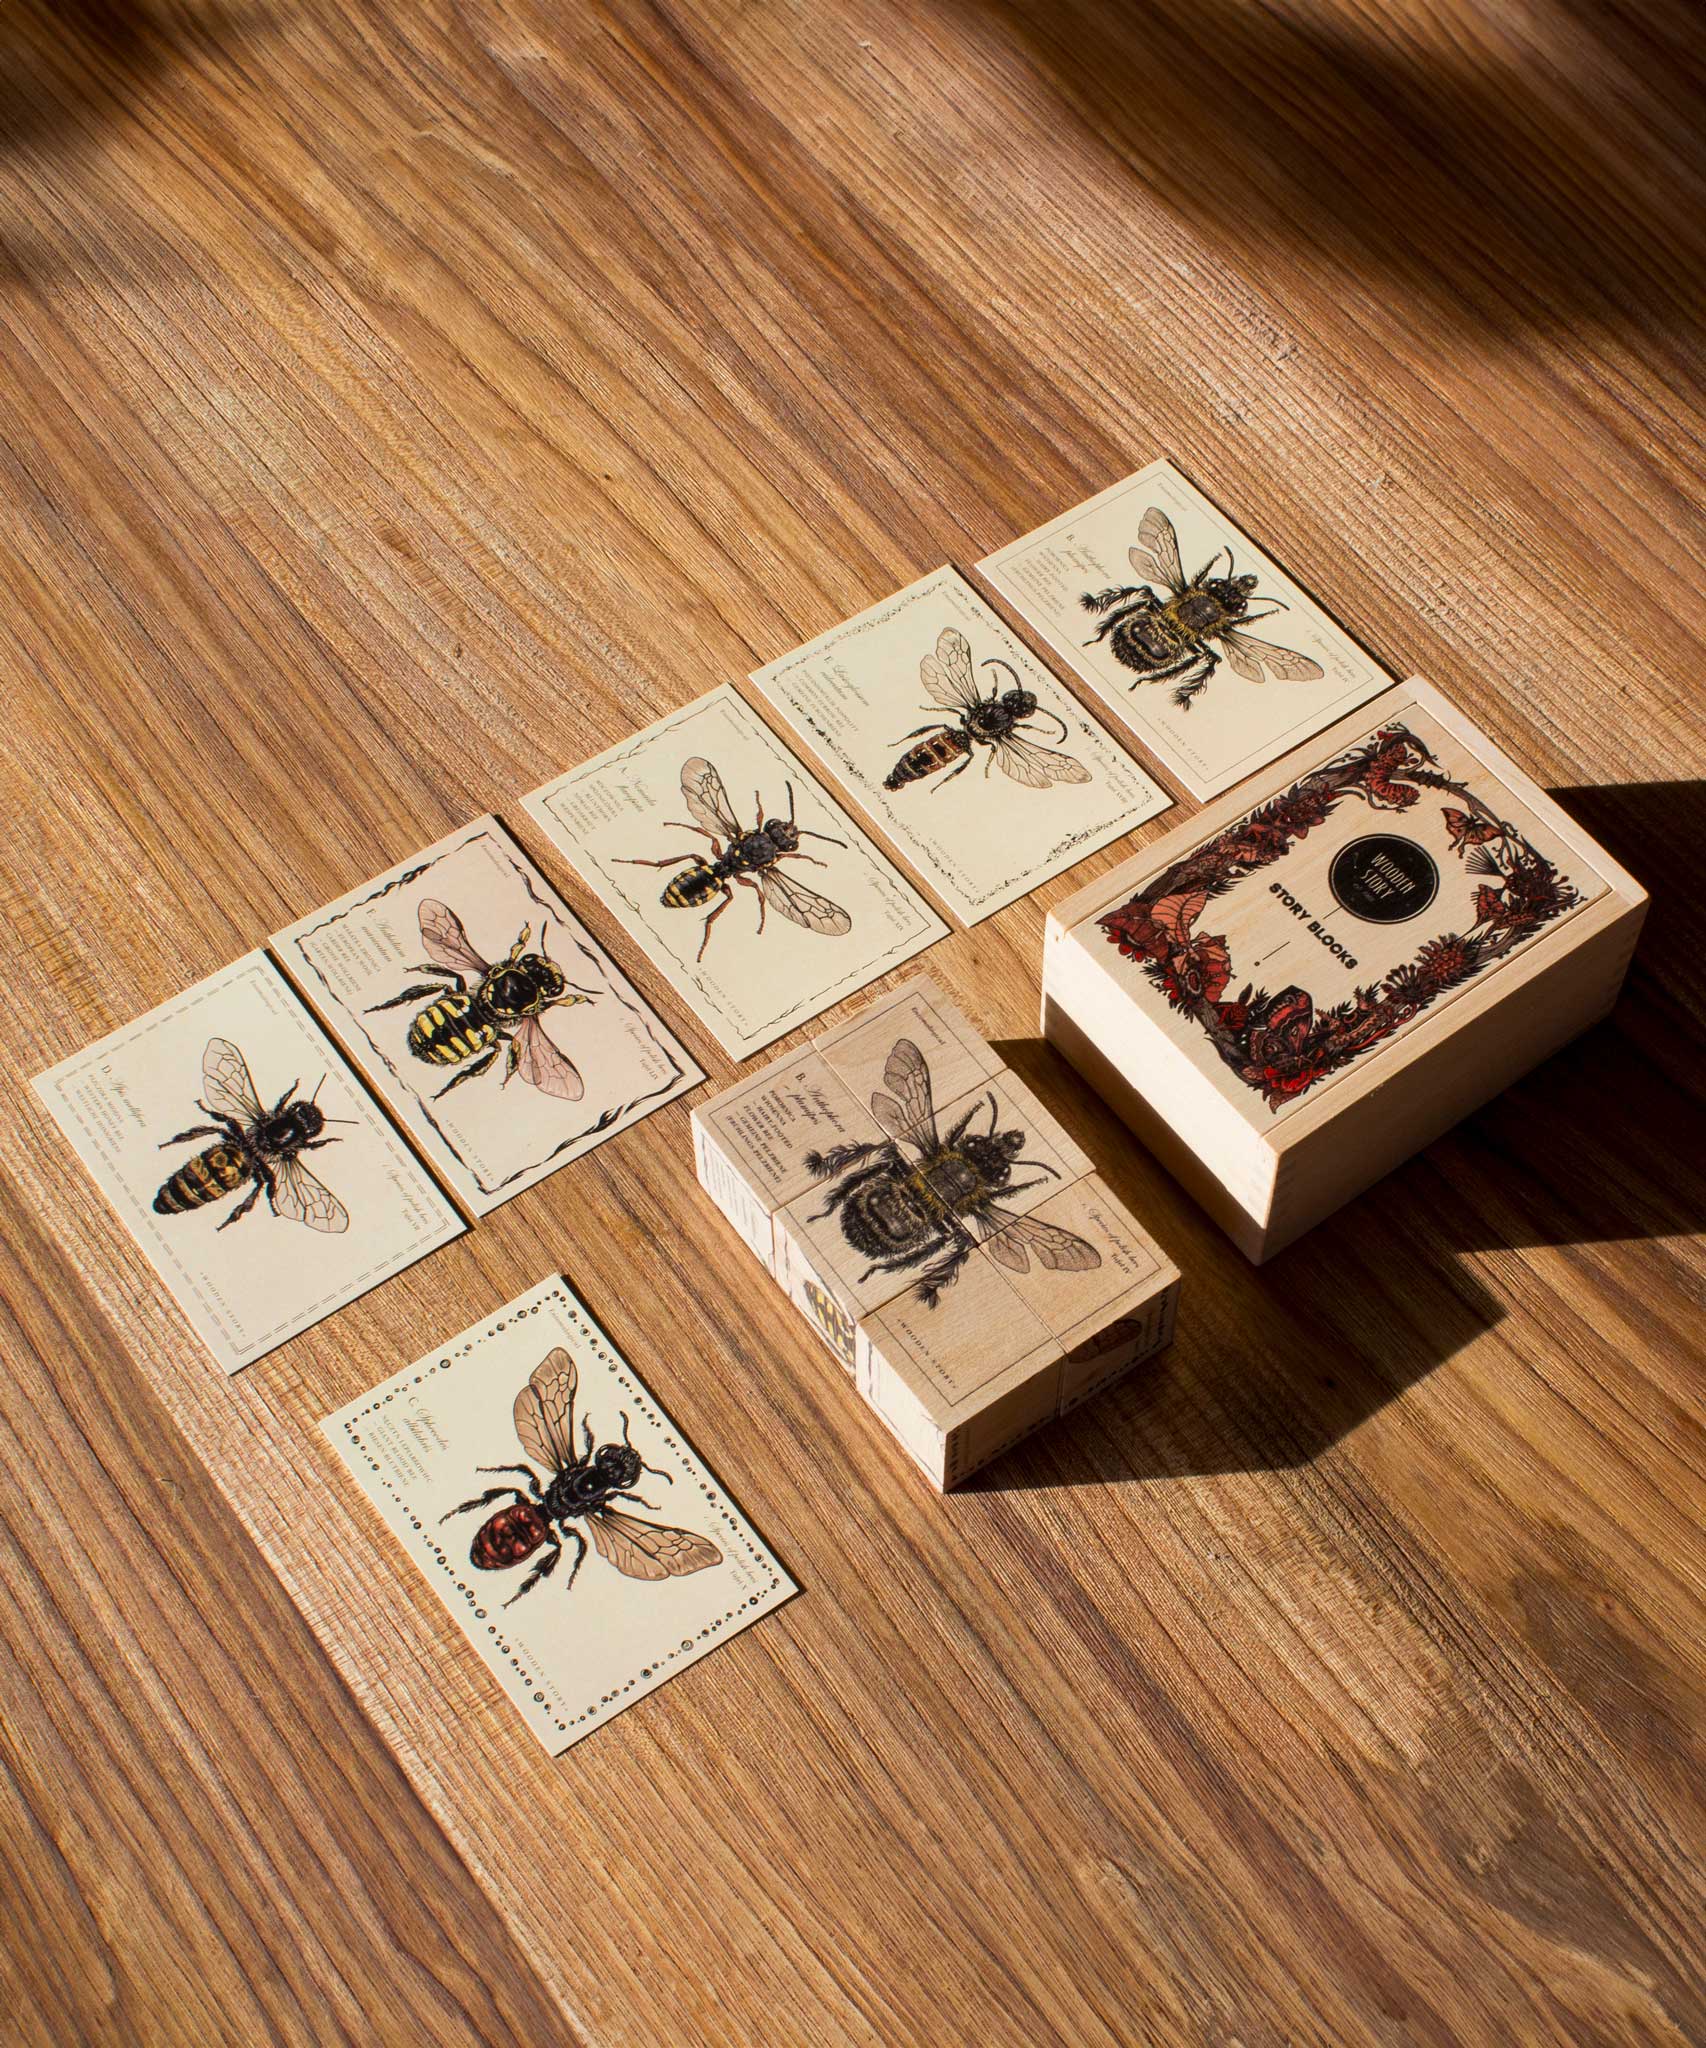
(754,893)
(1159,602)
(486,1014)
(247,1160)
(974,760)
(585,1552)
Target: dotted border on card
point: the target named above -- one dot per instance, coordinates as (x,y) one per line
(586,1331)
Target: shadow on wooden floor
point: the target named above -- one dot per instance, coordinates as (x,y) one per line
(1550,183)
(1604,1143)
(68,74)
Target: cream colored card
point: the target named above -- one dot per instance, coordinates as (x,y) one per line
(753,892)
(1159,602)
(247,1160)
(584,1551)
(978,764)
(1338,915)
(505,1038)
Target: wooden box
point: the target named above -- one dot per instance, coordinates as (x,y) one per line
(1327,967)
(937,1227)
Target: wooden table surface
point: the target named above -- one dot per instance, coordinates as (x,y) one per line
(401,403)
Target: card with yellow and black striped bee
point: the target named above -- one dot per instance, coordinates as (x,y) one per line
(243,1155)
(485,1013)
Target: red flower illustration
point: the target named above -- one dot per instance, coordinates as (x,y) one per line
(1281,1044)
(1196,973)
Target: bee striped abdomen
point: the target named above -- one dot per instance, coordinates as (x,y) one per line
(449,1032)
(203,1179)
(690,888)
(940,750)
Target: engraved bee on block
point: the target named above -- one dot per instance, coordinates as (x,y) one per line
(925,1198)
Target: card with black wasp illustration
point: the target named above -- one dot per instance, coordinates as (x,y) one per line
(247,1160)
(1200,642)
(973,758)
(746,884)
(582,1548)
(483,1011)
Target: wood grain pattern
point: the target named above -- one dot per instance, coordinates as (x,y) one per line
(402,403)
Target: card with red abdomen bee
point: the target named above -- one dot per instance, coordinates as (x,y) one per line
(1210,652)
(982,767)
(751,890)
(584,1551)
(479,1006)
(247,1160)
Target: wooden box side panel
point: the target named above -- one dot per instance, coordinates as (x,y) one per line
(1326,1164)
(1245,1225)
(733,1196)
(1122,1347)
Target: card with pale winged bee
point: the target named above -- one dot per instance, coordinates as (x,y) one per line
(1207,649)
(750,889)
(246,1159)
(975,761)
(483,1011)
(580,1547)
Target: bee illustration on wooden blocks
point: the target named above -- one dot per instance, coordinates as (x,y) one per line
(581,1488)
(991,722)
(472,1009)
(922,1199)
(252,1143)
(1171,639)
(749,856)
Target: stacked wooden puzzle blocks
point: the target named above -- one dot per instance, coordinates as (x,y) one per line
(937,1227)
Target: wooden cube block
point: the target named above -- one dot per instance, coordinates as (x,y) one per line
(1327,967)
(937,1227)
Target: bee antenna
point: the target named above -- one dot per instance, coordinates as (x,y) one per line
(789,787)
(995,661)
(807,833)
(1043,712)
(318,1085)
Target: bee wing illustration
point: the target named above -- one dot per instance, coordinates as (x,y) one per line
(948,674)
(703,792)
(542,1064)
(447,942)
(650,1550)
(910,1110)
(305,1198)
(1156,556)
(1013,1238)
(226,1085)
(1245,656)
(545,1412)
(1036,767)
(804,906)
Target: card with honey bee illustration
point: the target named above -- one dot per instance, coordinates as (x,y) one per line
(1203,644)
(581,1548)
(756,896)
(483,1011)
(982,767)
(246,1159)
